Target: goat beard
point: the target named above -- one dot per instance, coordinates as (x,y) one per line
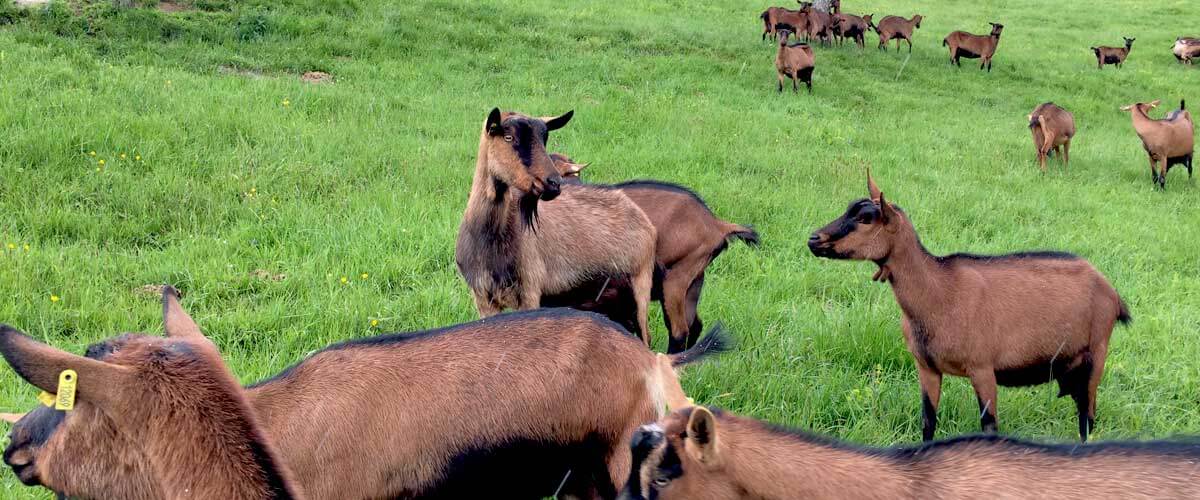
(527,207)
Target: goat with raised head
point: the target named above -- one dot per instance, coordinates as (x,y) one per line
(963,44)
(520,239)
(1011,320)
(704,453)
(1186,49)
(1112,55)
(1053,128)
(1169,141)
(897,28)
(794,61)
(689,237)
(165,413)
(503,406)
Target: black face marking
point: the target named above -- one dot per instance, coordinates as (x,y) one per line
(528,138)
(32,431)
(862,211)
(643,443)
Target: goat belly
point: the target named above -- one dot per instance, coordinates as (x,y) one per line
(961,52)
(1111,60)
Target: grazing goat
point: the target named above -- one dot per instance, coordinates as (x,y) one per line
(1186,49)
(1168,142)
(512,248)
(1013,320)
(698,452)
(1052,128)
(897,28)
(851,26)
(501,407)
(794,61)
(166,412)
(963,44)
(1112,55)
(689,236)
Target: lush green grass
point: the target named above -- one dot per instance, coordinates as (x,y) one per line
(247,168)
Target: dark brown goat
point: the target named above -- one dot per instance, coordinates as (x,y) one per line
(897,28)
(1112,55)
(1052,128)
(1169,141)
(165,411)
(689,236)
(698,453)
(795,61)
(963,44)
(1013,320)
(501,407)
(820,25)
(851,26)
(514,248)
(1186,49)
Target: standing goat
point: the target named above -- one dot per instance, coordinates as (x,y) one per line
(1112,55)
(1013,320)
(1168,142)
(897,28)
(776,18)
(851,26)
(1052,128)
(689,238)
(516,406)
(1186,49)
(512,248)
(963,44)
(166,410)
(794,61)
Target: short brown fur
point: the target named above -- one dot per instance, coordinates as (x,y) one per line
(1053,128)
(983,47)
(796,62)
(1186,49)
(897,28)
(1112,55)
(1167,142)
(851,26)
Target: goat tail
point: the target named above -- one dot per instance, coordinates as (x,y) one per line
(1181,104)
(716,341)
(745,233)
(945,41)
(1123,315)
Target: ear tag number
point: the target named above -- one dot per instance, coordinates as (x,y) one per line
(46,399)
(66,390)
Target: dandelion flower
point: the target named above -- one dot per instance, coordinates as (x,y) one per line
(287,102)
(12,246)
(137,158)
(53,298)
(91,153)
(374,322)
(345,280)
(101,162)
(365,276)
(253,190)
(122,156)
(26,247)
(97,169)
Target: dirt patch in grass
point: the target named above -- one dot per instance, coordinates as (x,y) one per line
(169,6)
(316,77)
(148,290)
(266,275)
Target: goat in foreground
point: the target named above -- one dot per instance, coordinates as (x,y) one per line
(1052,128)
(1168,142)
(963,44)
(165,410)
(1112,55)
(1012,320)
(704,453)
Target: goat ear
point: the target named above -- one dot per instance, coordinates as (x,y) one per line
(176,322)
(493,123)
(676,398)
(702,440)
(40,365)
(1127,108)
(872,188)
(558,122)
(11,418)
(886,210)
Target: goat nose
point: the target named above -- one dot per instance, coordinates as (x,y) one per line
(814,238)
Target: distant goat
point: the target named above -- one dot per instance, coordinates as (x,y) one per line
(776,18)
(1186,49)
(166,411)
(1112,55)
(689,238)
(820,24)
(897,28)
(795,62)
(501,407)
(1013,320)
(851,26)
(515,245)
(963,44)
(1169,141)
(1052,128)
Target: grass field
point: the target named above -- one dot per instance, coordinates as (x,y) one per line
(218,162)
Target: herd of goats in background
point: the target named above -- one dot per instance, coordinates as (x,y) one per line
(559,401)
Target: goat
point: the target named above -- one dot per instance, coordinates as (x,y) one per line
(776,18)
(513,249)
(897,28)
(1112,55)
(504,406)
(851,26)
(1013,320)
(1169,141)
(1052,128)
(820,24)
(690,237)
(166,412)
(1186,49)
(963,44)
(794,61)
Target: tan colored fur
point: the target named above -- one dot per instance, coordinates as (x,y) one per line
(1186,49)
(1116,55)
(963,44)
(1053,128)
(1163,139)
(795,62)
(897,28)
(851,26)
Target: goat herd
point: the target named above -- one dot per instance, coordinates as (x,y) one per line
(556,401)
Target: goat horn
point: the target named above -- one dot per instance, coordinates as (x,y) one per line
(872,188)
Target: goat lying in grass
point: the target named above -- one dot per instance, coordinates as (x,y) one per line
(1168,142)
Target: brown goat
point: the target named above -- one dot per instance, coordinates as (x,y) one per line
(502,406)
(820,25)
(897,28)
(963,44)
(1013,320)
(1186,49)
(776,18)
(1052,128)
(512,248)
(1168,142)
(689,236)
(794,61)
(1112,55)
(851,26)
(166,410)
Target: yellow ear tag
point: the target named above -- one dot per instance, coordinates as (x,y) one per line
(66,391)
(46,399)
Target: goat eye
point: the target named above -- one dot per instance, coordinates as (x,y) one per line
(508,138)
(865,219)
(660,482)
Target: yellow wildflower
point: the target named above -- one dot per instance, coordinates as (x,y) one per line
(12,246)
(122,156)
(345,280)
(287,103)
(26,247)
(374,322)
(53,298)
(91,153)
(101,163)
(365,276)
(137,158)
